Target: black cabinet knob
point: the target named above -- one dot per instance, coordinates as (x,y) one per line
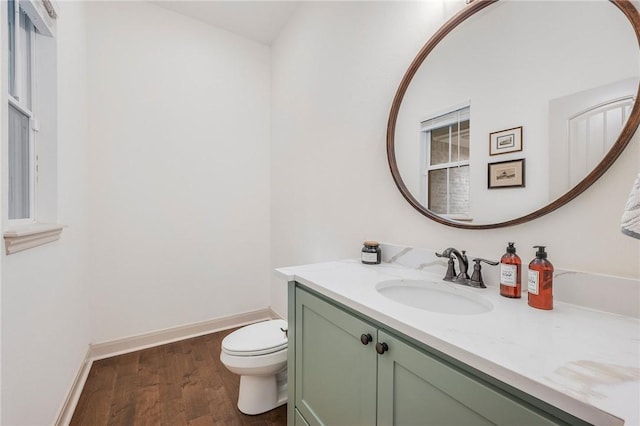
(381,348)
(366,339)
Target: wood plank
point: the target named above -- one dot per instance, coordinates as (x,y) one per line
(172,410)
(276,417)
(195,402)
(123,405)
(148,390)
(95,400)
(222,408)
(202,421)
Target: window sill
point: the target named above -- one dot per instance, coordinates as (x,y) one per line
(29,236)
(458,217)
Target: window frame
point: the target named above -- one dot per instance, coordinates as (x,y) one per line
(24,100)
(40,227)
(451,117)
(32,165)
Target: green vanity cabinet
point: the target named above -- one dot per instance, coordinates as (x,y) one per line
(415,388)
(335,374)
(338,377)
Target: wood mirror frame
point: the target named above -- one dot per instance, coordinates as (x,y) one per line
(632,14)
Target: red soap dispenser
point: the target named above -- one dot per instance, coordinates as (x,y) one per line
(510,272)
(540,281)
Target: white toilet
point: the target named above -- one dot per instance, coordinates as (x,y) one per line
(258,353)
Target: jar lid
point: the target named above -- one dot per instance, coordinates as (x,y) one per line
(371,243)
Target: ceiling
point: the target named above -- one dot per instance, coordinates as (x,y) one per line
(260,21)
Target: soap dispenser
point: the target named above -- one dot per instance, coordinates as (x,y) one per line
(510,273)
(540,281)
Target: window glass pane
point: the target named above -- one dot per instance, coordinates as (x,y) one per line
(457,135)
(24,56)
(20,44)
(19,165)
(439,145)
(449,190)
(460,141)
(12,46)
(459,190)
(438,191)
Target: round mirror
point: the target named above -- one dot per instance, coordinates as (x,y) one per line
(513,108)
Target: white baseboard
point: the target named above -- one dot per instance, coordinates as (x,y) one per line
(111,348)
(143,341)
(276,315)
(69,405)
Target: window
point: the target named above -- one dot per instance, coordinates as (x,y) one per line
(446,159)
(21,155)
(31,125)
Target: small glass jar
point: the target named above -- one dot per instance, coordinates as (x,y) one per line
(371,253)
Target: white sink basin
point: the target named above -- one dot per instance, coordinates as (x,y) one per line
(434,296)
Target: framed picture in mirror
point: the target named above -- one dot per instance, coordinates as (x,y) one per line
(506,174)
(505,141)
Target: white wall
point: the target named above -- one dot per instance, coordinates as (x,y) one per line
(179,126)
(336,68)
(45,328)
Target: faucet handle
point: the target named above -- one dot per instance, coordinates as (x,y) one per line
(476,278)
(451,269)
(489,262)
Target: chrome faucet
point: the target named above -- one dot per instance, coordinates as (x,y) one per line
(463,277)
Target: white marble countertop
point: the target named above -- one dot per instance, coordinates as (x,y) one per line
(582,361)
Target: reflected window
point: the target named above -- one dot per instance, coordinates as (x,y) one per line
(446,163)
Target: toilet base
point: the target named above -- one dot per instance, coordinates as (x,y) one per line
(259,394)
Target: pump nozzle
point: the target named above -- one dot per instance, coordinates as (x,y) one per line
(540,254)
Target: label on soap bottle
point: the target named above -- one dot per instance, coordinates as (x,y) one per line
(508,274)
(533,282)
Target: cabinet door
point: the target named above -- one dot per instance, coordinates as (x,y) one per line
(335,374)
(299,420)
(414,388)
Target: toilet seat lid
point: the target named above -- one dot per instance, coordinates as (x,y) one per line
(256,339)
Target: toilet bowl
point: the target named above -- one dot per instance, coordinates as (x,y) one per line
(258,353)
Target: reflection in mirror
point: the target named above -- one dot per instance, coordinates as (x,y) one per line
(567,72)
(585,126)
(445,140)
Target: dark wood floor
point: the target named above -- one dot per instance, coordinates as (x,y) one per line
(182,383)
